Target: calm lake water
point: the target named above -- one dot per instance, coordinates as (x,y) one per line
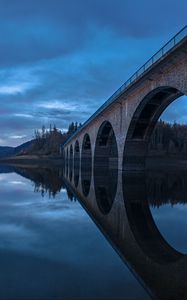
(51,247)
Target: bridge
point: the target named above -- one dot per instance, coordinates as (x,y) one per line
(116,136)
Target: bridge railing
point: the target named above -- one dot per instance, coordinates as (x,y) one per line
(157,56)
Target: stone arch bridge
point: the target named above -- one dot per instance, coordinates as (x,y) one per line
(117,134)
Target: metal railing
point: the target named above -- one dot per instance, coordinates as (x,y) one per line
(157,56)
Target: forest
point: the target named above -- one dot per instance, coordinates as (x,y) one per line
(49,141)
(166,139)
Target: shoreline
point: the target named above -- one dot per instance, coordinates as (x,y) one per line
(32,160)
(152,162)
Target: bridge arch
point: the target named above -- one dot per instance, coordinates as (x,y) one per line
(67,161)
(71,163)
(64,162)
(106,150)
(142,124)
(105,162)
(86,164)
(76,163)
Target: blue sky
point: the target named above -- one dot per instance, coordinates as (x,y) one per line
(60,60)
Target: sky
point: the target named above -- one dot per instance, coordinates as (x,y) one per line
(61,59)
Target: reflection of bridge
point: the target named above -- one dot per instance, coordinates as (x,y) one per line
(162,187)
(120,208)
(119,205)
(118,133)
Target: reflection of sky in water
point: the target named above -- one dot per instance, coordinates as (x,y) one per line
(50,249)
(172,223)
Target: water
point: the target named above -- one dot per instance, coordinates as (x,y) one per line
(168,205)
(50,248)
(125,238)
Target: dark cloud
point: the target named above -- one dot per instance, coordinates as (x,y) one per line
(60,60)
(42,29)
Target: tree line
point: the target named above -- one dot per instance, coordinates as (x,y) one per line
(168,139)
(50,141)
(47,181)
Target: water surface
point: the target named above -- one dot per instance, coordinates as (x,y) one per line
(49,246)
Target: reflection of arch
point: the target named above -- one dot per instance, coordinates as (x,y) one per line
(76,163)
(86,164)
(67,161)
(106,151)
(105,184)
(71,163)
(143,123)
(141,221)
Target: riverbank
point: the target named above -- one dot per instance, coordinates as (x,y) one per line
(154,162)
(33,160)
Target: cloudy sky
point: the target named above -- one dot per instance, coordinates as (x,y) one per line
(61,59)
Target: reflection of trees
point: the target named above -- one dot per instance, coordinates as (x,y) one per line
(166,187)
(70,195)
(156,188)
(46,180)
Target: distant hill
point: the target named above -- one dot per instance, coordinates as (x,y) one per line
(6,151)
(12,151)
(23,147)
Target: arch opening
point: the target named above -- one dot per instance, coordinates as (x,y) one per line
(105,162)
(63,162)
(71,163)
(142,125)
(76,163)
(67,161)
(86,165)
(106,151)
